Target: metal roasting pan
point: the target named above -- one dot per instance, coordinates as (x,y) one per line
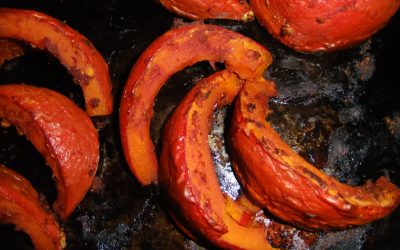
(341,111)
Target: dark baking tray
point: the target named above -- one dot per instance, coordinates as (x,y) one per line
(341,111)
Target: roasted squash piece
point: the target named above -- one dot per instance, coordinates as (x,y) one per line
(287,185)
(173,51)
(210,9)
(61,132)
(187,173)
(20,205)
(74,51)
(312,26)
(9,50)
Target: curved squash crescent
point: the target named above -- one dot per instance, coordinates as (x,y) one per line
(286,184)
(210,9)
(321,26)
(20,205)
(74,51)
(173,51)
(61,132)
(187,172)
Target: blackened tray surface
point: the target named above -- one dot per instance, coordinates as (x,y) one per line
(340,110)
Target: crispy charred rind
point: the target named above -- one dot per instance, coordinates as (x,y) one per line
(173,51)
(61,132)
(210,9)
(9,50)
(312,26)
(20,205)
(286,184)
(187,172)
(74,51)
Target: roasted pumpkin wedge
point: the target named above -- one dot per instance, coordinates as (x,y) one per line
(74,51)
(287,185)
(313,26)
(187,172)
(173,51)
(210,9)
(9,50)
(20,205)
(61,132)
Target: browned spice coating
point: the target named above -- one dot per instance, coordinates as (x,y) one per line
(73,50)
(288,186)
(173,51)
(187,174)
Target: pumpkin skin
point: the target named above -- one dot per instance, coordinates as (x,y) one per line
(20,205)
(187,172)
(288,186)
(323,25)
(61,132)
(170,53)
(210,9)
(74,51)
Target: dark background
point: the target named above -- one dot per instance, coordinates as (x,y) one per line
(338,110)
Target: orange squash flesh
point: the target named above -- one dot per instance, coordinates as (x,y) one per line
(327,25)
(74,51)
(9,50)
(288,186)
(187,174)
(210,9)
(61,132)
(173,51)
(20,205)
